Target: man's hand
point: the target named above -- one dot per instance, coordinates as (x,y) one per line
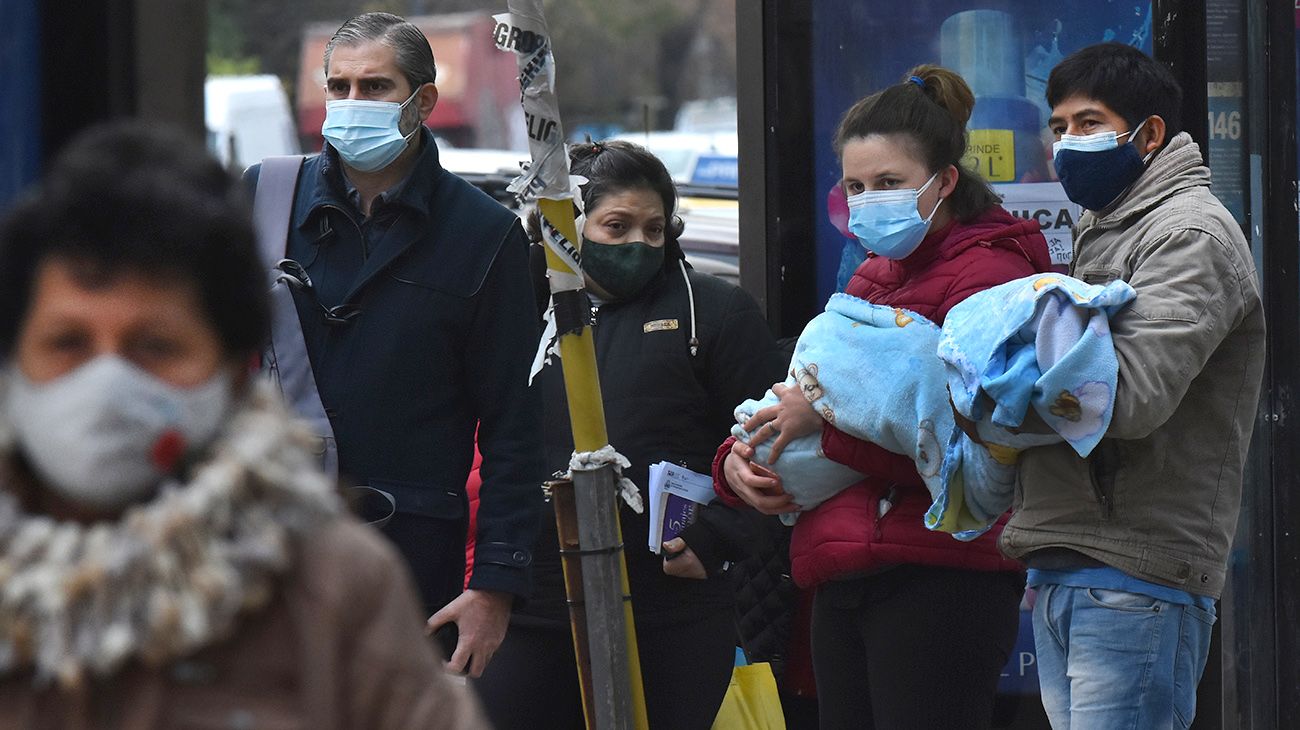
(681,561)
(793,417)
(760,488)
(481,617)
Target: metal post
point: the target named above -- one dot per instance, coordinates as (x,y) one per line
(602,578)
(566,527)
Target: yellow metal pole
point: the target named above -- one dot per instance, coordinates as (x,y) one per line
(577,350)
(587,417)
(593,510)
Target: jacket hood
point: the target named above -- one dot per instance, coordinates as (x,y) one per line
(1176,168)
(994,227)
(1000,229)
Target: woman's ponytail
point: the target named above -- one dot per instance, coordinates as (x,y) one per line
(932,106)
(946,89)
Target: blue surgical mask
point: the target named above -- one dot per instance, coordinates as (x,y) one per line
(366,134)
(887,223)
(1095,169)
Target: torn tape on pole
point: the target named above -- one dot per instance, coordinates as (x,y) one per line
(548,348)
(607,456)
(568,310)
(523,32)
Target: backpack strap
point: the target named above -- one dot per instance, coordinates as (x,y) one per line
(273,206)
(285,359)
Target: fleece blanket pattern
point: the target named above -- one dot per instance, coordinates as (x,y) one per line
(871,371)
(1040,342)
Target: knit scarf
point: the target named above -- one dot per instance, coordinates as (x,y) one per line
(171,575)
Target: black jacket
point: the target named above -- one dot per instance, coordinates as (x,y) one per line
(439,334)
(663,404)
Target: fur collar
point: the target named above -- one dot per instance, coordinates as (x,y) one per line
(171,575)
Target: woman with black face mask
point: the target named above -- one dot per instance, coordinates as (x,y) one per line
(676,351)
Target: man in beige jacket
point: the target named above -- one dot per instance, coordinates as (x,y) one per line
(1128,548)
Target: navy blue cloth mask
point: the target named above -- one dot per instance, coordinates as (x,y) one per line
(1095,169)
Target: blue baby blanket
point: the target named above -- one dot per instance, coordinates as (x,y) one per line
(1040,342)
(871,371)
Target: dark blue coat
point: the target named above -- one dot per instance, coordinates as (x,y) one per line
(434,329)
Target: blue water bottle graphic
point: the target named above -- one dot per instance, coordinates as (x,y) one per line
(1006,143)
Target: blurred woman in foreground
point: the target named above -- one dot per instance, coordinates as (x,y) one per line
(169,556)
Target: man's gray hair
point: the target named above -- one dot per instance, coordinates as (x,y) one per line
(414,57)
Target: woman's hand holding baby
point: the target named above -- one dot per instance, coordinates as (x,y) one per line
(760,488)
(792,418)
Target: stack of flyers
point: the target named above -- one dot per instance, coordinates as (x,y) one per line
(676,495)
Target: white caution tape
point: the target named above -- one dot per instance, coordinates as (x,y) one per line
(606,455)
(523,32)
(564,249)
(548,347)
(559,281)
(575,192)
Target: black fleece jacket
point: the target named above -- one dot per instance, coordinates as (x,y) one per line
(664,404)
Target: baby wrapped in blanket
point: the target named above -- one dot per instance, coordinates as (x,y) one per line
(1040,342)
(871,371)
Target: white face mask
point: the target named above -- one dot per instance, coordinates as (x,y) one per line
(107,433)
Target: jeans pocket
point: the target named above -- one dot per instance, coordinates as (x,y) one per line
(1123,600)
(1189,661)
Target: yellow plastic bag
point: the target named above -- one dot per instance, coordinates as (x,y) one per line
(751,702)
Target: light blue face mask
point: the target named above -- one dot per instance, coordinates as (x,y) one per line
(1099,142)
(366,134)
(887,223)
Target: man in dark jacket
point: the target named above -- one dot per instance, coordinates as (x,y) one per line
(419,323)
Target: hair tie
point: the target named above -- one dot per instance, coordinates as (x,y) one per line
(918,81)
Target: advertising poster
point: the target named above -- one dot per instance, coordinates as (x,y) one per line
(1005,51)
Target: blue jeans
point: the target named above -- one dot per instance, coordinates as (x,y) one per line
(1112,659)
